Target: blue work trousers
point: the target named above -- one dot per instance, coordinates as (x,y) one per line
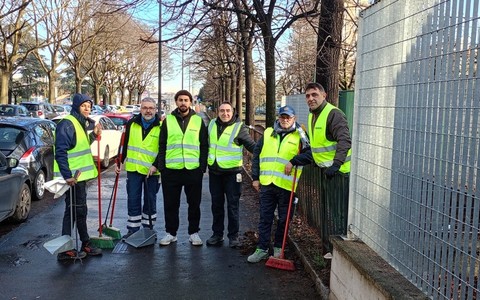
(272,197)
(136,187)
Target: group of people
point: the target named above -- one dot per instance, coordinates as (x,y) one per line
(181,147)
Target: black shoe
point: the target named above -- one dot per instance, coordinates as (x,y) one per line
(235,243)
(126,236)
(91,250)
(71,255)
(215,240)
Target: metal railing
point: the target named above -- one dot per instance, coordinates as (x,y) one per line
(414,195)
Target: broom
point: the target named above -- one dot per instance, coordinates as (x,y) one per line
(281,262)
(110,230)
(101,241)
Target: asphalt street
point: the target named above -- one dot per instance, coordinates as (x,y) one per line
(177,271)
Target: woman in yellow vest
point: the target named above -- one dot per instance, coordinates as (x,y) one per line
(72,153)
(140,155)
(276,154)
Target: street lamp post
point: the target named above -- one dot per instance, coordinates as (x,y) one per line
(159,101)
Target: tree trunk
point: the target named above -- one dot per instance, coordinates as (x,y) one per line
(4,80)
(52,78)
(270,81)
(328,47)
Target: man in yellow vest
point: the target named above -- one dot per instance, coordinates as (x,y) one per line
(72,153)
(331,149)
(227,136)
(277,161)
(183,154)
(140,155)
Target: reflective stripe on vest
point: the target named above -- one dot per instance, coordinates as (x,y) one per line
(79,157)
(275,155)
(183,149)
(141,153)
(224,150)
(323,150)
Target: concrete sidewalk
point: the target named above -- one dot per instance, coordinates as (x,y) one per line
(177,271)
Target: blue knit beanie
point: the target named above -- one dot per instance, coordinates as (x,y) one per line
(79,99)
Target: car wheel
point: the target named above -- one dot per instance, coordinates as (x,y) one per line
(39,185)
(106,157)
(24,204)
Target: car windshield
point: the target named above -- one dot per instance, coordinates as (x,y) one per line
(7,110)
(30,106)
(10,137)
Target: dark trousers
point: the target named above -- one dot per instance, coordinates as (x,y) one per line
(222,186)
(272,197)
(172,183)
(79,202)
(138,216)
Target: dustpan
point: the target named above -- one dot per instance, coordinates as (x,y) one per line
(60,244)
(144,236)
(141,238)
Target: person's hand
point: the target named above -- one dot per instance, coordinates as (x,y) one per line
(98,129)
(331,171)
(151,171)
(256,185)
(71,181)
(288,168)
(118,168)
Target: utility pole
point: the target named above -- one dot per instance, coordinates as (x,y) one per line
(159,100)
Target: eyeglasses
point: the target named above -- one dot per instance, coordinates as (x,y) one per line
(148,108)
(286,117)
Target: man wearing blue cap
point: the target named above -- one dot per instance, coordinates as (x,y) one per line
(273,175)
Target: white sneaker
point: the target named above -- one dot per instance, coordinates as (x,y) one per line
(258,255)
(195,239)
(167,239)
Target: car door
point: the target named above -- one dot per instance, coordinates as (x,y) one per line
(10,185)
(45,134)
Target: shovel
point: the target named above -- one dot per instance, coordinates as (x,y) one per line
(144,236)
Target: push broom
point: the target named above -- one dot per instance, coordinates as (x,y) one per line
(109,229)
(281,262)
(101,241)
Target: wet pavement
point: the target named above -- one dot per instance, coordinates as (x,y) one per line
(177,271)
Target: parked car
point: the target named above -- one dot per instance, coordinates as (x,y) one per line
(109,142)
(30,141)
(62,109)
(41,110)
(97,110)
(12,110)
(16,198)
(119,119)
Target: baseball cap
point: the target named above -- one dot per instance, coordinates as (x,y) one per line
(286,110)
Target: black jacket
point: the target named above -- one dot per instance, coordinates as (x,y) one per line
(183,122)
(243,138)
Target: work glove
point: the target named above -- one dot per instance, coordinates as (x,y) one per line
(332,170)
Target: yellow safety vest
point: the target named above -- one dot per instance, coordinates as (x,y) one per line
(141,153)
(275,155)
(224,150)
(79,157)
(323,150)
(183,149)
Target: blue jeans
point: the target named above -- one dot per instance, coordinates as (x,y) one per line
(222,186)
(272,197)
(138,216)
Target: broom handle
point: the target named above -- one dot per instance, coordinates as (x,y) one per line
(288,213)
(115,186)
(99,180)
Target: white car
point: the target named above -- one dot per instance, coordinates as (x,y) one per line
(109,141)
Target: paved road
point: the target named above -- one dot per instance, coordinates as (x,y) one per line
(178,271)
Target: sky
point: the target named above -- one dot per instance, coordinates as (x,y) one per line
(149,14)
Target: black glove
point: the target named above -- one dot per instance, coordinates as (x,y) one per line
(332,170)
